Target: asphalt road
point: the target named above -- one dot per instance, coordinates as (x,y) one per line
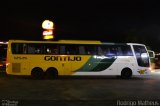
(80,91)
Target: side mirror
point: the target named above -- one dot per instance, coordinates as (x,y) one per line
(151,54)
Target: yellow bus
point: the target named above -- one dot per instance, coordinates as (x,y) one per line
(76,57)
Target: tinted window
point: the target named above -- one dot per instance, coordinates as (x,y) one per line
(17,48)
(90,49)
(35,48)
(69,49)
(24,48)
(124,50)
(82,50)
(107,50)
(51,49)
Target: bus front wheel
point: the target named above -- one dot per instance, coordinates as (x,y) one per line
(37,73)
(126,73)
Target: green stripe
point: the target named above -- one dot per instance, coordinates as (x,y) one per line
(96,64)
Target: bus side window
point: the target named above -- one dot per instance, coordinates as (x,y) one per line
(90,49)
(100,51)
(51,49)
(127,51)
(72,49)
(112,51)
(17,48)
(31,49)
(62,49)
(103,50)
(35,48)
(24,48)
(119,51)
(55,51)
(124,50)
(37,51)
(81,50)
(67,50)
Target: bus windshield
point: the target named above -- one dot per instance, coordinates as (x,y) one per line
(141,59)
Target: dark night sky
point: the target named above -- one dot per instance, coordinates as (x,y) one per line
(109,21)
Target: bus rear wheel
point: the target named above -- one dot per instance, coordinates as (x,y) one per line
(126,73)
(37,73)
(51,73)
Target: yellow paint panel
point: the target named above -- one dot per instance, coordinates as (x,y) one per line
(65,64)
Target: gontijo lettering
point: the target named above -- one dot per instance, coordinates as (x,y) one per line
(62,58)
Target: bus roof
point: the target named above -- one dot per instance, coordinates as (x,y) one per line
(81,41)
(135,44)
(74,42)
(60,41)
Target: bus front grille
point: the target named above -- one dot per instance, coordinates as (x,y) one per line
(16,67)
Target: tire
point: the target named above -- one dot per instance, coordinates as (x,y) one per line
(126,73)
(51,73)
(37,73)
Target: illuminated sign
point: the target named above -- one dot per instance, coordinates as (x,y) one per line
(48,37)
(47,32)
(48,29)
(47,24)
